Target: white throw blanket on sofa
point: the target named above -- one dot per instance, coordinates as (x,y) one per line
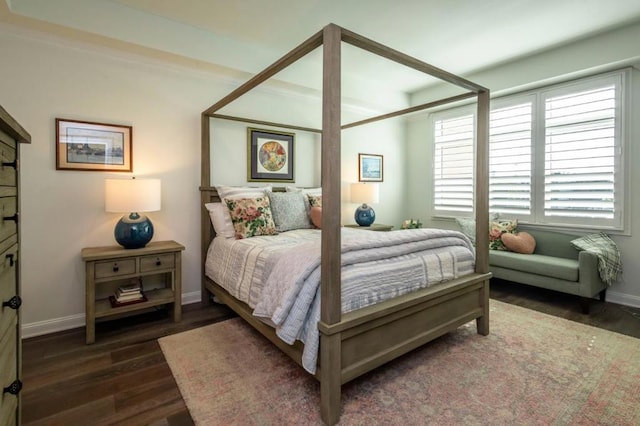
(376,266)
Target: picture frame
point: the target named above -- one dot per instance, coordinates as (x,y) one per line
(90,146)
(270,155)
(370,168)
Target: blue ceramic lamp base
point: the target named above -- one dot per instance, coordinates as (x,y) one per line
(133,231)
(365,216)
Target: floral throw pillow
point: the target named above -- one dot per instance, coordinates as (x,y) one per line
(251,217)
(496,230)
(315,200)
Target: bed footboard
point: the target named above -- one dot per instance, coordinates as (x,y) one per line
(377,334)
(372,336)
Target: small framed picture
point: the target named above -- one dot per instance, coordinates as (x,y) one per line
(83,145)
(370,168)
(269,155)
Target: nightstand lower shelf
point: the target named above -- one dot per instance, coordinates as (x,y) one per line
(160,296)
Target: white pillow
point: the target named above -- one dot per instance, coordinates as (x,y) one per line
(220,219)
(307,191)
(234,193)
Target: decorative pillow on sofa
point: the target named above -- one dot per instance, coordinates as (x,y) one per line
(220,219)
(251,217)
(497,229)
(468,226)
(520,242)
(290,210)
(316,216)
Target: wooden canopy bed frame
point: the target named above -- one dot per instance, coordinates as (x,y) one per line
(354,343)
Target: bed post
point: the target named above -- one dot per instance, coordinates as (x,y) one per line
(330,290)
(482,205)
(205,181)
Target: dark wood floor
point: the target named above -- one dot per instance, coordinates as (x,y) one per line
(123,378)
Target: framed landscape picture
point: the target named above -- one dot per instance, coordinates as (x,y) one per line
(370,168)
(83,145)
(269,155)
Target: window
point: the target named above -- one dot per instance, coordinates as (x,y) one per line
(555,155)
(580,155)
(510,130)
(453,168)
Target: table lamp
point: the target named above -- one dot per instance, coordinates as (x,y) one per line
(365,193)
(132,196)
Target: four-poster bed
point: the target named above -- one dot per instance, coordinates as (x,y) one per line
(356,342)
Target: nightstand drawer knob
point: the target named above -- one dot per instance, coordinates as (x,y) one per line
(158,262)
(14,388)
(10,256)
(115,267)
(14,303)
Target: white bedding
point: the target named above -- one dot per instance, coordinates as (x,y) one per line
(279,276)
(242,266)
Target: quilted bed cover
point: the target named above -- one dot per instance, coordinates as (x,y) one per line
(279,276)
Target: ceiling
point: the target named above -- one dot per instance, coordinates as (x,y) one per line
(460,36)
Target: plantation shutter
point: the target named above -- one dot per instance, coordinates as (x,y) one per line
(580,154)
(510,159)
(453,164)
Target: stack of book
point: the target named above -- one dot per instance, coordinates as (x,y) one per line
(127,294)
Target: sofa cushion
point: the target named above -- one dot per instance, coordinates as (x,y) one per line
(557,267)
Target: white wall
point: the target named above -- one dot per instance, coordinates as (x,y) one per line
(612,50)
(44,78)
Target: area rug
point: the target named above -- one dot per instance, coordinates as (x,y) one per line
(532,369)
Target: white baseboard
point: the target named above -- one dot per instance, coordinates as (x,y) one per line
(189,298)
(623,299)
(51,326)
(41,328)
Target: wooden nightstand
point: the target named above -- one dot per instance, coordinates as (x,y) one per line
(159,260)
(374,227)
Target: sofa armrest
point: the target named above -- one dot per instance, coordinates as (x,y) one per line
(588,276)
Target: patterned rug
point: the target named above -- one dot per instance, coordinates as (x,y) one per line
(532,369)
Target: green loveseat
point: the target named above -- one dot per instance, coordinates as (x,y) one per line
(555,264)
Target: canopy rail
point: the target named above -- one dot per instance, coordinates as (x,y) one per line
(412,109)
(304,48)
(386,52)
(385,116)
(265,123)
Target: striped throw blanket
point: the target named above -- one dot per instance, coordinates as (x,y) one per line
(376,266)
(609,261)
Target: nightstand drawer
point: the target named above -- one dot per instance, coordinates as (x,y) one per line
(161,261)
(115,268)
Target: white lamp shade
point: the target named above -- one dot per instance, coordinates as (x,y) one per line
(365,193)
(132,195)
